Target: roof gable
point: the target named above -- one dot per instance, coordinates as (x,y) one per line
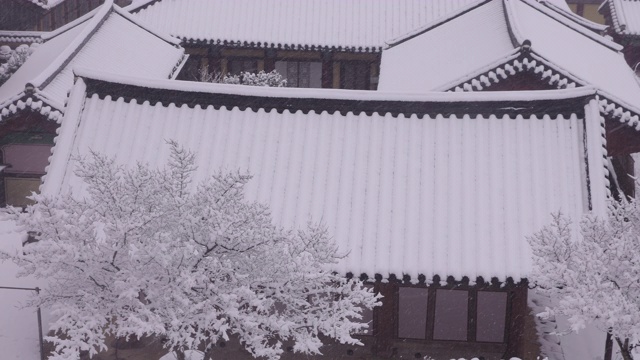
(624,16)
(575,57)
(106,39)
(437,56)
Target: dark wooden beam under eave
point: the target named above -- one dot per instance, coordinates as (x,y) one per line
(517,313)
(622,139)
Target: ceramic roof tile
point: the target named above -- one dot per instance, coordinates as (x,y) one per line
(625,16)
(106,39)
(409,195)
(346,24)
(576,52)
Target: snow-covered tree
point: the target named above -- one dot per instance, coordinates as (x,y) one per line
(261,78)
(11,60)
(147,252)
(593,270)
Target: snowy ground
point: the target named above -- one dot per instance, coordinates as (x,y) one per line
(18,325)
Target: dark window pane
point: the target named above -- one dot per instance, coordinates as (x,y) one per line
(237,66)
(452,308)
(305,73)
(492,313)
(412,313)
(16,190)
(355,75)
(292,74)
(26,159)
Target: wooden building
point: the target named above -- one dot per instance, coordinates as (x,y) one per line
(623,19)
(312,43)
(588,9)
(402,181)
(45,15)
(32,101)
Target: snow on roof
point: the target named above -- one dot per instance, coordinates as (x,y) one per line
(446,52)
(108,39)
(360,25)
(439,58)
(21,37)
(400,195)
(598,63)
(39,62)
(625,16)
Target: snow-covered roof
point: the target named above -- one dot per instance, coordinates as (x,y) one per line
(21,37)
(105,39)
(509,36)
(451,189)
(354,25)
(625,16)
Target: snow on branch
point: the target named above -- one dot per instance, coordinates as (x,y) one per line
(11,60)
(147,253)
(261,78)
(593,269)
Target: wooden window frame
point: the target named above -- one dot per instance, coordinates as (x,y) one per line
(242,58)
(472,313)
(365,63)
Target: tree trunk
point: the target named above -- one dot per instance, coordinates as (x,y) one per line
(625,350)
(208,355)
(180,355)
(608,347)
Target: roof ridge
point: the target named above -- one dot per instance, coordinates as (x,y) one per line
(47,35)
(72,49)
(421,30)
(573,16)
(167,38)
(136,7)
(620,18)
(512,25)
(330,94)
(573,25)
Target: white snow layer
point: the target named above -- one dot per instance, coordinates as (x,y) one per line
(116,44)
(364,24)
(122,47)
(626,16)
(38,62)
(433,195)
(450,48)
(595,63)
(480,40)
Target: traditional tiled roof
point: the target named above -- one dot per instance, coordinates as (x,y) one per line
(403,195)
(21,37)
(353,25)
(624,15)
(508,37)
(106,39)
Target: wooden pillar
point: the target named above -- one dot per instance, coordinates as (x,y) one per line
(385,320)
(270,60)
(518,310)
(327,69)
(215,58)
